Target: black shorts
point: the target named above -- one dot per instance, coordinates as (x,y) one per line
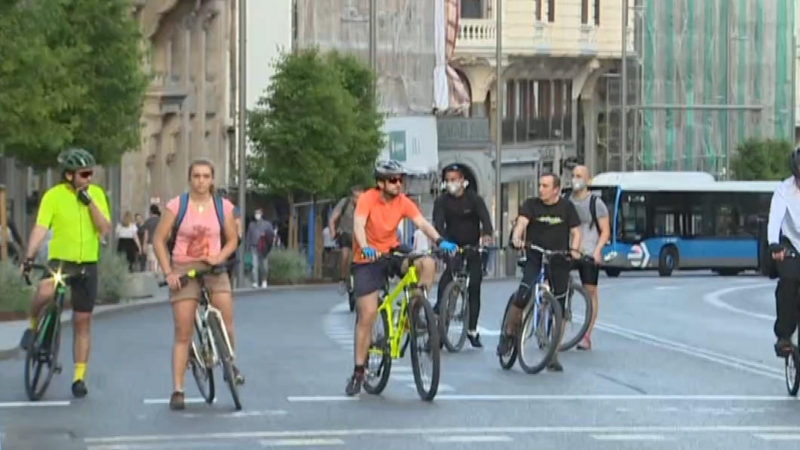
(345,240)
(371,277)
(84,288)
(589,272)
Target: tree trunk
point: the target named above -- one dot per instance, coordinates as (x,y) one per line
(290,240)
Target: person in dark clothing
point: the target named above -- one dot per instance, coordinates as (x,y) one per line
(552,223)
(461,216)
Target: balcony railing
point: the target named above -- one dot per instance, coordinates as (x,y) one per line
(476,35)
(462,131)
(521,130)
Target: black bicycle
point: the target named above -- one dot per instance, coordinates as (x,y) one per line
(211,346)
(351,298)
(452,316)
(42,353)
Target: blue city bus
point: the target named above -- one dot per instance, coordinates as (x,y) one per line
(669,221)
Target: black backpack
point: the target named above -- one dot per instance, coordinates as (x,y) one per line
(593,212)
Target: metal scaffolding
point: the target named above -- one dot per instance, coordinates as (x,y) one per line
(707,74)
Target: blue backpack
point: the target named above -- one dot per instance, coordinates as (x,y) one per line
(183,206)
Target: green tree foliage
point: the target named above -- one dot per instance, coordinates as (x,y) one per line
(70,74)
(316,130)
(761,159)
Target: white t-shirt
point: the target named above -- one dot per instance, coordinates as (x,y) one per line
(128,232)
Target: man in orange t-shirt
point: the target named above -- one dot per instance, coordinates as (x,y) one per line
(379,212)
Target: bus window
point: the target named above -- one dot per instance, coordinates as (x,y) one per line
(632,218)
(667,213)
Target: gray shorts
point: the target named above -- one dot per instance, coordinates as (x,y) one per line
(372,277)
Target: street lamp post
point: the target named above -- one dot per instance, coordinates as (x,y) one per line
(242,142)
(498,133)
(624,89)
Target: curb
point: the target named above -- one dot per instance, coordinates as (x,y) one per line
(107,310)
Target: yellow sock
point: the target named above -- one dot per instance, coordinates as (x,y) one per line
(80,371)
(34,323)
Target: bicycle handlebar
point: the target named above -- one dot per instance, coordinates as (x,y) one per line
(566,253)
(58,275)
(199,274)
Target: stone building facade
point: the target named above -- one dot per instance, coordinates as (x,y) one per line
(188,111)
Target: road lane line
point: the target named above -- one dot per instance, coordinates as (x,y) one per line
(442,387)
(708,355)
(300,442)
(467,439)
(443,431)
(576,398)
(715,299)
(39,404)
(239,414)
(165,401)
(629,437)
(778,437)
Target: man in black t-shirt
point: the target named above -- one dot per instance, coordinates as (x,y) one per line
(549,222)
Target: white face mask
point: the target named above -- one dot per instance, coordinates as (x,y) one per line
(578,184)
(453,188)
(258,216)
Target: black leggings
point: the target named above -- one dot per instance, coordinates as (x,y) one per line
(557,274)
(475,266)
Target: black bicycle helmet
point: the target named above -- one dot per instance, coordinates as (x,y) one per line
(452,168)
(794,162)
(388,169)
(75,159)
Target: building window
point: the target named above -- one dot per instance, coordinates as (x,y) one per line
(584,12)
(537,110)
(538,10)
(551,11)
(472,9)
(597,12)
(175,58)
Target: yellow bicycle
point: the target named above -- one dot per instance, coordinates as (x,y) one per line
(404,313)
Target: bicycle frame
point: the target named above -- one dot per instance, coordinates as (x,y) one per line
(396,322)
(204,310)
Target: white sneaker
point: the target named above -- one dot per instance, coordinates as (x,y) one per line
(263,284)
(255,285)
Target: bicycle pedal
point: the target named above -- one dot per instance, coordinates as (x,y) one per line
(57,368)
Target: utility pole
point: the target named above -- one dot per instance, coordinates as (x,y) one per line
(624,90)
(373,44)
(242,129)
(498,135)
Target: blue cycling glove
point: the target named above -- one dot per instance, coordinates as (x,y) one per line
(369,253)
(448,246)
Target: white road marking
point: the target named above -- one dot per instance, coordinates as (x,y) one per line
(467,439)
(708,355)
(240,414)
(629,437)
(155,446)
(165,401)
(487,332)
(285,434)
(406,369)
(34,404)
(666,288)
(778,437)
(715,299)
(442,388)
(300,442)
(576,398)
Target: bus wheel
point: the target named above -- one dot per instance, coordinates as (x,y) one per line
(667,261)
(613,273)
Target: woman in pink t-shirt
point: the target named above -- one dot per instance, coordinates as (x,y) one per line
(197,246)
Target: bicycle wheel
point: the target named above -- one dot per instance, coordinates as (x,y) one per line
(43,354)
(510,357)
(225,356)
(379,358)
(792,371)
(542,324)
(201,364)
(453,329)
(423,323)
(577,316)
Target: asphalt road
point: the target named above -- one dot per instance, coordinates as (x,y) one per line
(679,363)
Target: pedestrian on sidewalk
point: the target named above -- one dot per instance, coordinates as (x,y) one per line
(260,236)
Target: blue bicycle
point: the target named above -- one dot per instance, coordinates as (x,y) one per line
(542,322)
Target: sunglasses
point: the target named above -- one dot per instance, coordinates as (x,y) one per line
(85,173)
(395,180)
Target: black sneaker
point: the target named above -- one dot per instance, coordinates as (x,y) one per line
(79,389)
(177,402)
(504,346)
(475,340)
(354,385)
(28,339)
(783,348)
(555,365)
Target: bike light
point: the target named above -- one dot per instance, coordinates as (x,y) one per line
(58,278)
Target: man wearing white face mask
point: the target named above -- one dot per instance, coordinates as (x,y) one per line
(260,236)
(595,230)
(461,216)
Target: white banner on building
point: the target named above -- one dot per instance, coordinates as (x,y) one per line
(412,141)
